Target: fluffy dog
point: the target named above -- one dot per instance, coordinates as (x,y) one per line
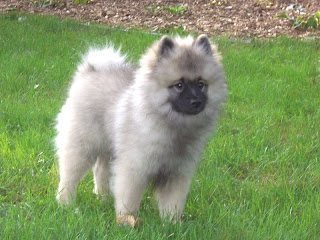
(140,125)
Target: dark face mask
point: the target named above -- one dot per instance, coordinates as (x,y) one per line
(188,97)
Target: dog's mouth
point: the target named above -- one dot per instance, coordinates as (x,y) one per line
(194,107)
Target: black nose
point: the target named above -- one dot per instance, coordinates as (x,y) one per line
(196,103)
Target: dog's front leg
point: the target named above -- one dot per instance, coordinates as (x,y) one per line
(171,196)
(128,191)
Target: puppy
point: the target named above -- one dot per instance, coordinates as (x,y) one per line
(140,125)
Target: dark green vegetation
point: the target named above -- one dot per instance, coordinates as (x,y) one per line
(299,21)
(259,177)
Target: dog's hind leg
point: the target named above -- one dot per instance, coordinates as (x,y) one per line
(101,175)
(72,167)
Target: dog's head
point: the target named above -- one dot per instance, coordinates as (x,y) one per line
(184,76)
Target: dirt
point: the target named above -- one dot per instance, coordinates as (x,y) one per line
(232,18)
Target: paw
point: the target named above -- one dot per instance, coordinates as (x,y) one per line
(128,220)
(64,198)
(100,191)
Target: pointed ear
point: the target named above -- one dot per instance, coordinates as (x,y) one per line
(166,45)
(204,43)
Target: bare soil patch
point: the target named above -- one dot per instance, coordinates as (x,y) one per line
(234,18)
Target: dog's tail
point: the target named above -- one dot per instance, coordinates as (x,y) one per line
(100,59)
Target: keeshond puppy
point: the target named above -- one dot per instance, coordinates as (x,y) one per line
(140,125)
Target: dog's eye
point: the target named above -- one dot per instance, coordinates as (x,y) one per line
(201,85)
(179,86)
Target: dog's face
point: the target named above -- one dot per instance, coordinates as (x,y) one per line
(188,96)
(185,77)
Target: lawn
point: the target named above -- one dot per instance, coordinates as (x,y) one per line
(259,177)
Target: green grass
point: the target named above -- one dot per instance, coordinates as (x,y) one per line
(259,177)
